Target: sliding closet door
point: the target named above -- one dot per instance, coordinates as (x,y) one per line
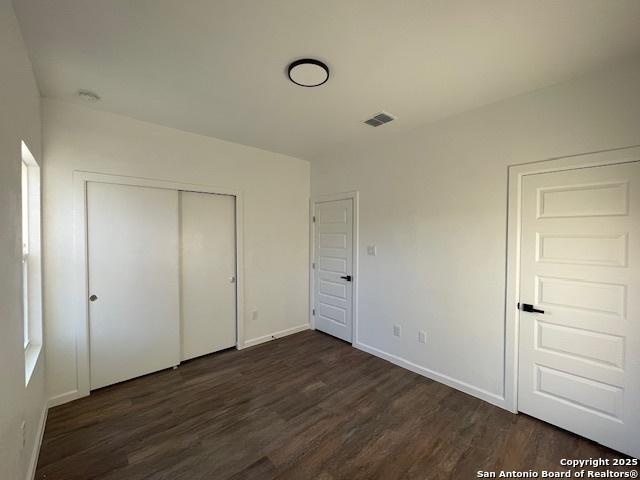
(208,247)
(134,307)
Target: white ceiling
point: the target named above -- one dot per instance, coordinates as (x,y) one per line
(218,67)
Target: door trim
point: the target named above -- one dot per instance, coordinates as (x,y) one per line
(80,260)
(514,217)
(354,197)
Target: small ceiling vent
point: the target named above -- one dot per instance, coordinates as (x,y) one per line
(379,119)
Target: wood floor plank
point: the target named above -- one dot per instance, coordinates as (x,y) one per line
(307,406)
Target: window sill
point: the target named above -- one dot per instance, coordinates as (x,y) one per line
(31,355)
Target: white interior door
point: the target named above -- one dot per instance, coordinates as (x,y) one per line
(208,261)
(134,308)
(333,277)
(579,361)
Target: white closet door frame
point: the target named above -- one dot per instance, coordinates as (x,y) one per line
(354,197)
(516,174)
(80,259)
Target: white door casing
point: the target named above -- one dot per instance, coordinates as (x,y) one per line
(208,273)
(579,361)
(334,267)
(132,242)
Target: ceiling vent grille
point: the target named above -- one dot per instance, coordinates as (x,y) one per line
(379,119)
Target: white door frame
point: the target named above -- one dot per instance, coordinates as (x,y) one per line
(354,196)
(80,258)
(512,314)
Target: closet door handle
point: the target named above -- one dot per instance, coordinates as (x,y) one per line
(347,278)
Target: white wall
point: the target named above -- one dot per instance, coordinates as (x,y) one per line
(19,120)
(434,201)
(275,191)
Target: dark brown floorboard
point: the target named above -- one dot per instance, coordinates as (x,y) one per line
(306,406)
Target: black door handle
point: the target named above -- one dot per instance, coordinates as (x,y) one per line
(527,307)
(347,278)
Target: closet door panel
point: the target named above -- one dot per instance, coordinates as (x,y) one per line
(134,305)
(208,272)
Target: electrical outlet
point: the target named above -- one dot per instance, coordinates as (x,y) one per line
(23,433)
(254,314)
(422,336)
(372,250)
(397,331)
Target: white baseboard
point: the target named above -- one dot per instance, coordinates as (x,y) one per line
(33,463)
(65,398)
(274,335)
(480,393)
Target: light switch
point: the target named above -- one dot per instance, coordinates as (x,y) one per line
(372,250)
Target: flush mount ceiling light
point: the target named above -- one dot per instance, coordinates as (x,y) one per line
(308,72)
(88,96)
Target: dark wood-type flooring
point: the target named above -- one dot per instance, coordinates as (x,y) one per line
(307,406)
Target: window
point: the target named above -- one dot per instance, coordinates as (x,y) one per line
(31,261)
(25,250)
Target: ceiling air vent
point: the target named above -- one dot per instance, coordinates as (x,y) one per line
(379,119)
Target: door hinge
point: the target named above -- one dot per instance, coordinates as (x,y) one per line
(314,219)
(313,265)
(313,312)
